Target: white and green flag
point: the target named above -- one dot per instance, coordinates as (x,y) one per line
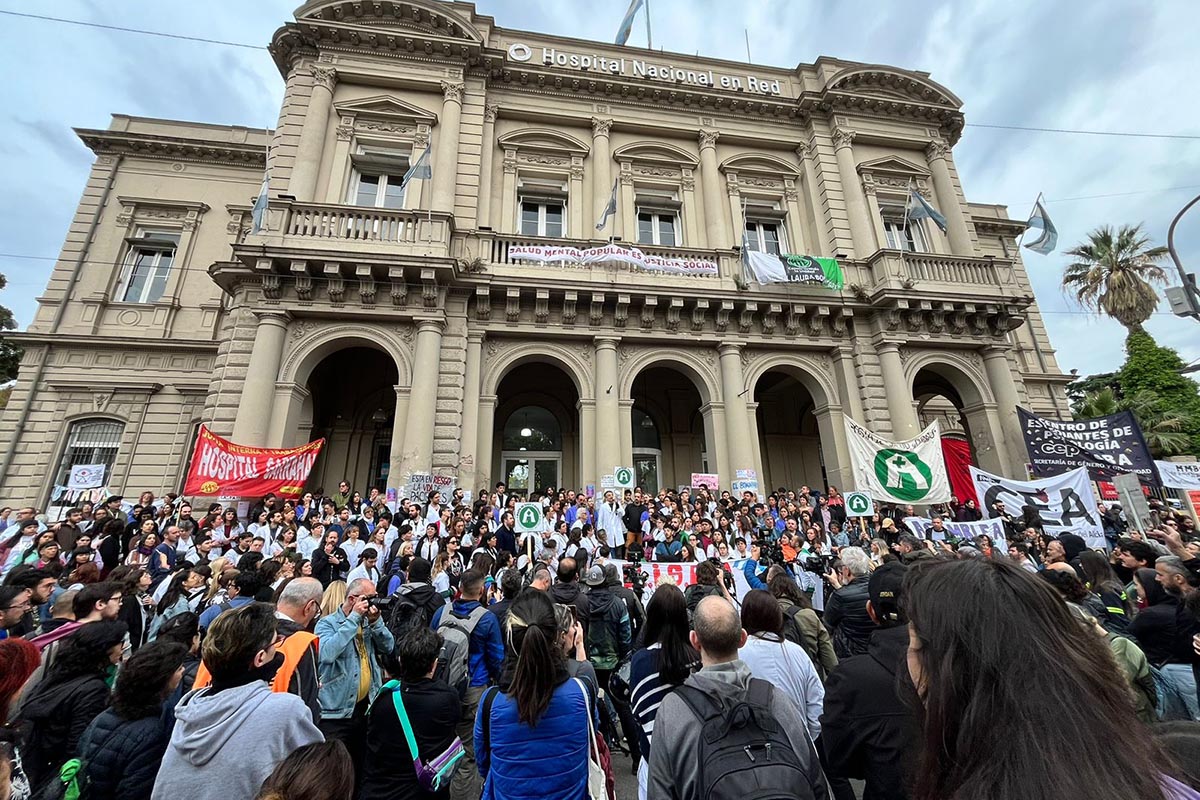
(900,472)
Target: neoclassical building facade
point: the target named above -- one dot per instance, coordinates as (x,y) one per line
(403,323)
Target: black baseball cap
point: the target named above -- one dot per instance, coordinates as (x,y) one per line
(884,588)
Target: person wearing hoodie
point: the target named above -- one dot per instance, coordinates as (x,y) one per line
(121,749)
(1164,630)
(866,727)
(676,772)
(416,601)
(566,589)
(216,727)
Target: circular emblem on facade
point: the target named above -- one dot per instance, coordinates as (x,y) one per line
(209,487)
(129,317)
(519,52)
(903,474)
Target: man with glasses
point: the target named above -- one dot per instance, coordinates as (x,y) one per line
(298,605)
(216,728)
(350,640)
(14,605)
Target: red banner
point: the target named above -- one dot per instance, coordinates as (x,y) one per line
(221,468)
(957,454)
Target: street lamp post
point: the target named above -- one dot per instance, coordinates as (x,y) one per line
(1185,298)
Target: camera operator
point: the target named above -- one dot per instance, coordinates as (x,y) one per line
(846,610)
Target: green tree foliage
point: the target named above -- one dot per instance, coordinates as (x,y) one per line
(10,354)
(1114,272)
(1080,389)
(1151,376)
(1164,429)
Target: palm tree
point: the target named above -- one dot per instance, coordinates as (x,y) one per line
(1165,431)
(1115,273)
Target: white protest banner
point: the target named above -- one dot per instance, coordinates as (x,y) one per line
(911,471)
(705,479)
(86,476)
(611,254)
(1179,476)
(1064,502)
(684,576)
(993,528)
(420,484)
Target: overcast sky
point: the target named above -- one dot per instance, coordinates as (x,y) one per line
(1111,66)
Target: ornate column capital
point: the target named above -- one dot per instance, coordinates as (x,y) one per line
(490,112)
(452,91)
(277,318)
(601,127)
(806,150)
(708,139)
(433,325)
(843,138)
(325,77)
(937,149)
(729,349)
(606,342)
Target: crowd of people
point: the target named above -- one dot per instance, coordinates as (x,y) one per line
(336,647)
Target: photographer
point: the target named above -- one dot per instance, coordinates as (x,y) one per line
(846,610)
(709,582)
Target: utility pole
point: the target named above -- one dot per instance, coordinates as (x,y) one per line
(1185,298)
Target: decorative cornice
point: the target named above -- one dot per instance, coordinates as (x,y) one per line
(68,341)
(172,148)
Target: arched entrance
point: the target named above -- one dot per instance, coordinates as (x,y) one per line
(667,429)
(352,403)
(789,433)
(536,445)
(943,392)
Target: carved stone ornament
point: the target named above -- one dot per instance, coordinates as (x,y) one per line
(550,161)
(708,139)
(936,149)
(100,401)
(453,91)
(300,329)
(842,138)
(325,77)
(345,133)
(601,127)
(381,126)
(490,112)
(805,149)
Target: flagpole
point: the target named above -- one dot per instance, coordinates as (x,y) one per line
(649,35)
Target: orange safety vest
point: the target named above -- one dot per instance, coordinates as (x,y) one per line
(293,648)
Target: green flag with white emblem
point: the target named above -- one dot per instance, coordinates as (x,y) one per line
(912,471)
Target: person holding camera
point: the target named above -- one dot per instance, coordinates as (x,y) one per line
(846,613)
(351,640)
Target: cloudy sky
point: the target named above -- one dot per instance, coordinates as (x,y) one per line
(1107,66)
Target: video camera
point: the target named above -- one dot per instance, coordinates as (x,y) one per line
(820,564)
(632,572)
(380,602)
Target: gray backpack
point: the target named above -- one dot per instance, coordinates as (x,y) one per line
(456,633)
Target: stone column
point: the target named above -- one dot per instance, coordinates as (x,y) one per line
(303,183)
(608,407)
(715,204)
(399,428)
(486,437)
(1000,377)
(714,442)
(938,153)
(847,383)
(418,437)
(285,416)
(737,422)
(602,181)
(468,469)
(587,443)
(253,419)
(899,394)
(625,426)
(756,446)
(862,231)
(484,215)
(445,161)
(626,216)
(808,154)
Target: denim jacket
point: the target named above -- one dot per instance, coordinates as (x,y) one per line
(339,664)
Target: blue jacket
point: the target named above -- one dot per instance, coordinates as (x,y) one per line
(338,661)
(559,770)
(485,659)
(212,612)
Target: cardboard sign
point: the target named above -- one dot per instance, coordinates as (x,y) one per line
(707,479)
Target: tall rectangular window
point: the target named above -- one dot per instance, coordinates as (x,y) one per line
(909,237)
(765,236)
(91,441)
(147,266)
(542,217)
(381,190)
(658,226)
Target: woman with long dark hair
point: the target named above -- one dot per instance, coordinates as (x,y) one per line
(664,662)
(71,695)
(537,709)
(981,633)
(1099,577)
(122,747)
(175,600)
(137,606)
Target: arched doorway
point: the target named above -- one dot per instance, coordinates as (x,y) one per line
(352,403)
(789,433)
(943,392)
(668,429)
(537,427)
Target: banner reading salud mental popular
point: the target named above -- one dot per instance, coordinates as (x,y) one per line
(901,472)
(221,468)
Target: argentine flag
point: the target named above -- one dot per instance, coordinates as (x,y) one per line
(1040,220)
(609,209)
(420,170)
(627,23)
(919,208)
(258,214)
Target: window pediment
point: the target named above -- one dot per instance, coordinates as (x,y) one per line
(543,140)
(892,165)
(385,107)
(760,163)
(655,153)
(893,84)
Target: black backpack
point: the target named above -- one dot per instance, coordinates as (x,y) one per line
(407,613)
(744,751)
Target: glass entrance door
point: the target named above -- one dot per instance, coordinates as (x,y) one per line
(645,468)
(526,472)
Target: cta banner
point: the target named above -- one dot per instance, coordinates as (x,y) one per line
(1106,446)
(912,471)
(1179,476)
(610,254)
(767,268)
(1065,502)
(222,468)
(923,527)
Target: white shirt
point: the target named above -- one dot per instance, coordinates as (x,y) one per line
(307,545)
(354,548)
(786,665)
(361,572)
(428,548)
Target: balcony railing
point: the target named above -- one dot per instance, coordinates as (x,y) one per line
(893,267)
(353,223)
(498,253)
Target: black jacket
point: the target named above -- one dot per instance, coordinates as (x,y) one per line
(304,680)
(58,714)
(571,594)
(632,519)
(506,539)
(121,757)
(434,709)
(326,571)
(1164,631)
(847,619)
(866,728)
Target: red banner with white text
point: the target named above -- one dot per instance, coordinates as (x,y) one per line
(221,468)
